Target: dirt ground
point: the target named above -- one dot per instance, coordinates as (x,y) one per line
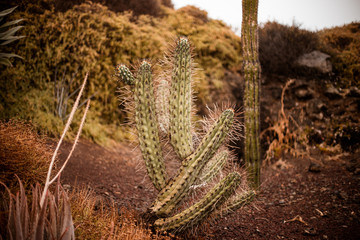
(295,202)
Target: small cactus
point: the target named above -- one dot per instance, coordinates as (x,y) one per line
(200,163)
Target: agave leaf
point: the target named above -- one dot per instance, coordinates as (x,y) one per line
(9,55)
(7,11)
(10,32)
(24,213)
(41,220)
(11,23)
(10,225)
(53,220)
(5,61)
(11,39)
(18,228)
(67,223)
(34,211)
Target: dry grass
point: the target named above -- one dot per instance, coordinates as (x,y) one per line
(22,152)
(285,136)
(96,219)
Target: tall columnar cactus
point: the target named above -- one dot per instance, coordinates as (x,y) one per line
(199,163)
(250,46)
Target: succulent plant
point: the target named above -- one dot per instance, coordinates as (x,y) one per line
(200,163)
(8,36)
(250,46)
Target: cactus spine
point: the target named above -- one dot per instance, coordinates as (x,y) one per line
(180,132)
(249,38)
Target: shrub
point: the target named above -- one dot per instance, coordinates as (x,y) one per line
(281,45)
(23,152)
(342,43)
(91,37)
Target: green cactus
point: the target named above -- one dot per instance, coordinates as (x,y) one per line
(198,162)
(213,199)
(146,123)
(180,101)
(250,46)
(179,186)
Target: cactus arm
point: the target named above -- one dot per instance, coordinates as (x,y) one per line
(124,74)
(162,100)
(146,123)
(194,214)
(179,186)
(211,169)
(238,202)
(180,101)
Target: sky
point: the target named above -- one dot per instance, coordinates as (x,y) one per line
(310,14)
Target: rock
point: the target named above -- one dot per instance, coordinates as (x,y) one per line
(316,59)
(332,92)
(315,106)
(314,167)
(317,116)
(354,92)
(310,232)
(303,93)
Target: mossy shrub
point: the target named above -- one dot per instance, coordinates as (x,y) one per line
(342,43)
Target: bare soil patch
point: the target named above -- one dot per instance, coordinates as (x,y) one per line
(294,203)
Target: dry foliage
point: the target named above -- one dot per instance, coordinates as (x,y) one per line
(342,43)
(52,221)
(22,152)
(96,219)
(90,37)
(285,135)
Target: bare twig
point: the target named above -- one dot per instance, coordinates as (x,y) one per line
(47,182)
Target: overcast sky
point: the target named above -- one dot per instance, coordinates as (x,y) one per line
(311,14)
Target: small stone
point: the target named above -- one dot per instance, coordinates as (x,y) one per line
(314,167)
(303,94)
(342,195)
(310,231)
(332,93)
(354,92)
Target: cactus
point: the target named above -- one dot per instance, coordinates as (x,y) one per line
(213,199)
(146,123)
(200,163)
(180,101)
(250,46)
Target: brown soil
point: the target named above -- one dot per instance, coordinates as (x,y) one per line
(294,203)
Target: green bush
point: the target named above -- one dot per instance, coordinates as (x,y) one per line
(91,38)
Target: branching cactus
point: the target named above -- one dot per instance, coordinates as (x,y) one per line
(200,162)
